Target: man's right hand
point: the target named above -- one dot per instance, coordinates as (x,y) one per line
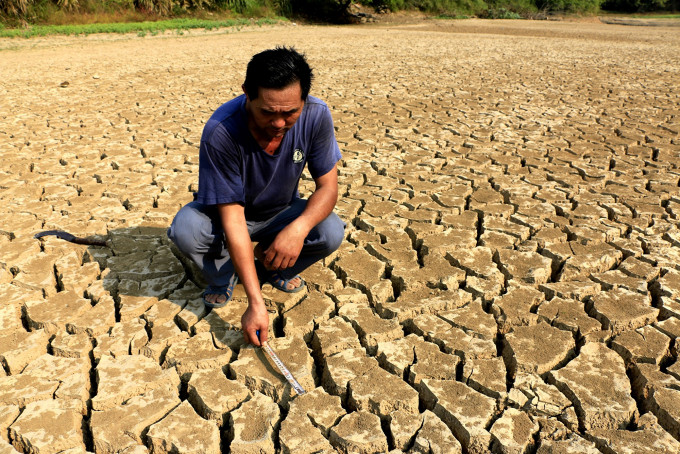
(255,318)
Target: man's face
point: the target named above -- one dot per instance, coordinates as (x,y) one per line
(274,111)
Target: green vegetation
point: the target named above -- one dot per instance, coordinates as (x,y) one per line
(141,28)
(41,17)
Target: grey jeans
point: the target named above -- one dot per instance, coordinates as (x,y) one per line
(197,232)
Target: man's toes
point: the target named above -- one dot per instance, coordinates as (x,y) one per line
(294,283)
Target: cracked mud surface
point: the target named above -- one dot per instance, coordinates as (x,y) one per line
(509,283)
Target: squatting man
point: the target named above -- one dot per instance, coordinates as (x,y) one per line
(252,153)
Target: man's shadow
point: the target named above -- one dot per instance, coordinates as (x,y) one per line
(149,279)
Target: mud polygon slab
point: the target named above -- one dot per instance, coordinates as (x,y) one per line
(8,414)
(568,314)
(119,428)
(182,430)
(393,394)
(435,437)
(163,335)
(451,339)
(666,402)
(360,269)
(403,427)
(22,389)
(342,367)
(596,382)
(253,426)
(646,344)
(538,348)
(194,353)
(465,411)
(573,445)
(73,375)
(322,409)
(541,398)
(333,336)
(119,379)
(649,438)
(621,310)
(370,327)
(423,300)
(258,372)
(488,376)
(213,395)
(528,268)
(35,431)
(513,432)
(18,348)
(123,338)
(304,317)
(473,320)
(576,289)
(359,432)
(514,308)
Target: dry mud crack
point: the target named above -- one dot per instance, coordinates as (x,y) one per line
(510,281)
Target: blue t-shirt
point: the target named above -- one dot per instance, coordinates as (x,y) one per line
(234,168)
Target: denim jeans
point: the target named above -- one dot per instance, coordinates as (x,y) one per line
(197,232)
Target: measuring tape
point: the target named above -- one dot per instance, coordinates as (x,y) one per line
(284,370)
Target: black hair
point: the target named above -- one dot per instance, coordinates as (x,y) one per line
(277,68)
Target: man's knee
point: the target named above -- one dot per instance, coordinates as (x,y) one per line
(333,232)
(190,230)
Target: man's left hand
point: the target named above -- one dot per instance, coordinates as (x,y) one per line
(285,249)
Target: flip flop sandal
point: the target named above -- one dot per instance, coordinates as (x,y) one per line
(280,283)
(226,291)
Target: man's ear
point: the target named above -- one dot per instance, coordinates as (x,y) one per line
(243,87)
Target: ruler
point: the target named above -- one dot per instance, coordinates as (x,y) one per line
(284,370)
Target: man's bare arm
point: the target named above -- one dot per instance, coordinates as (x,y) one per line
(241,251)
(285,249)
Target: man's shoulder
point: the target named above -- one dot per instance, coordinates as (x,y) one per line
(315,102)
(229,109)
(227,119)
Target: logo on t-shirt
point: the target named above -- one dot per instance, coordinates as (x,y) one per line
(298,156)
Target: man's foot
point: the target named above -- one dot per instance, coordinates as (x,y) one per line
(292,285)
(219,296)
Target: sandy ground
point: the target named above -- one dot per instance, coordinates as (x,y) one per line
(510,279)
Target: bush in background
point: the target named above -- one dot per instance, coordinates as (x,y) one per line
(15,12)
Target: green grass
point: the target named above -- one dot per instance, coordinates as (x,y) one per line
(141,28)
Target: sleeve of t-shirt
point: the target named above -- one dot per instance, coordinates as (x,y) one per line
(219,170)
(324,152)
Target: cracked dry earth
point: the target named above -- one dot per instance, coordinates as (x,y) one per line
(510,281)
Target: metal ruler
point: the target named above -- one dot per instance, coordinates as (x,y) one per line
(284,370)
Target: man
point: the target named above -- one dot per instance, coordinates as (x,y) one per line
(252,153)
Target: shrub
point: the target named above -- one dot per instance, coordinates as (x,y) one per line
(570,6)
(15,7)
